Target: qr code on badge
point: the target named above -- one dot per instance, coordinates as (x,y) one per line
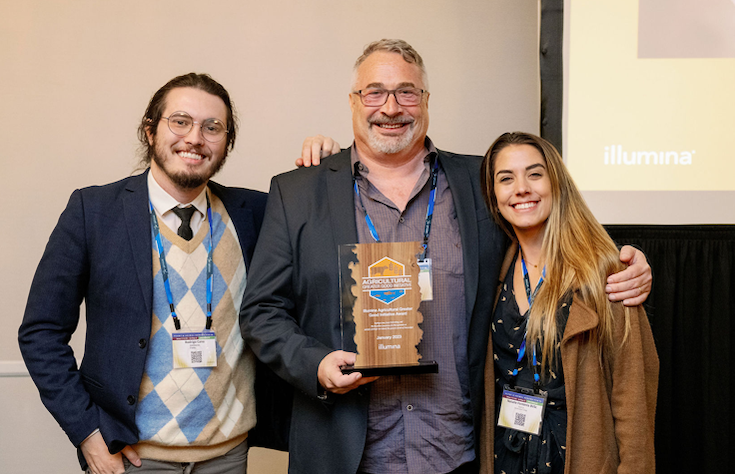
(520,419)
(196,357)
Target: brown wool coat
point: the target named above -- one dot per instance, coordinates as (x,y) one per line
(610,409)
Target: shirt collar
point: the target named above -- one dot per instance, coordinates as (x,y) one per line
(163,202)
(359,169)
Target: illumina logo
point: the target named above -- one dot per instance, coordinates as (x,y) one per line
(615,155)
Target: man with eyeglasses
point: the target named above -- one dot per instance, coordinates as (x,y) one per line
(378,190)
(161,261)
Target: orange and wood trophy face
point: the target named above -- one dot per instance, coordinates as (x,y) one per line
(386,304)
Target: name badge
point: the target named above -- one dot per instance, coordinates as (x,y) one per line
(194,349)
(427,293)
(523,410)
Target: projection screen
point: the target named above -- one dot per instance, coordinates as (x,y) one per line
(648,108)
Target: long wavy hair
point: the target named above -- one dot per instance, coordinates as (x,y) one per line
(578,252)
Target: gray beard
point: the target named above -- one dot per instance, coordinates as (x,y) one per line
(390,146)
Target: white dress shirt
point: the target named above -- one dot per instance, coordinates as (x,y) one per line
(163,203)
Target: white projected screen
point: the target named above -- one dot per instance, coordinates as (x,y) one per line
(650,108)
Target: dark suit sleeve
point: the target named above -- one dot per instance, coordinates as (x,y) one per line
(268,318)
(50,319)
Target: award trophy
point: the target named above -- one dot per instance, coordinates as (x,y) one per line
(380,308)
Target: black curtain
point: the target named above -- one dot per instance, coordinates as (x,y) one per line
(551,69)
(691,309)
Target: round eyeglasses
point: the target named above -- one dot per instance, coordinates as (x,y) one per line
(181,123)
(375,97)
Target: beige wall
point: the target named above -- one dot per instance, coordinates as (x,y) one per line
(77,75)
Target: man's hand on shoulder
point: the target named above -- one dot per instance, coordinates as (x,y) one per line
(100,460)
(632,285)
(315,148)
(331,377)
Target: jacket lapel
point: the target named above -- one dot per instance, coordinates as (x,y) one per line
(341,198)
(581,319)
(241,217)
(138,224)
(461,186)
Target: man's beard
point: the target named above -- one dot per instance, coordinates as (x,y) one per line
(184,180)
(390,145)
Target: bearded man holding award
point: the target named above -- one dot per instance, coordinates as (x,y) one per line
(391,186)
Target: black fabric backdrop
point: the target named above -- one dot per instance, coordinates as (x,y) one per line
(691,309)
(551,70)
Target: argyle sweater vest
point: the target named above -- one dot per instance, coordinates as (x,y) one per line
(196,414)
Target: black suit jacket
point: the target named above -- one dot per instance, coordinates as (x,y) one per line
(101,252)
(291,308)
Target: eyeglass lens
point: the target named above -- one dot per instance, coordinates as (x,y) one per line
(181,123)
(406,96)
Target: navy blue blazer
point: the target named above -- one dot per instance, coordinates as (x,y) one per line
(290,314)
(101,252)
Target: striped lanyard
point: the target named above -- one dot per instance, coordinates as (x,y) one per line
(164,267)
(522,351)
(429,210)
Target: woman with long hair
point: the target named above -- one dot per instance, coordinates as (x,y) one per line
(572,378)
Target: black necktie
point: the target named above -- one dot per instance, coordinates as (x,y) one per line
(185,214)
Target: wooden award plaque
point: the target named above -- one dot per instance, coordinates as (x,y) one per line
(380,308)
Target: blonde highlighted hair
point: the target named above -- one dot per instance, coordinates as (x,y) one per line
(578,252)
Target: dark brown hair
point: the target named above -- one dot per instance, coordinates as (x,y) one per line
(155,108)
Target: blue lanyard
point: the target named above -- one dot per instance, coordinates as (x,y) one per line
(527,282)
(164,267)
(522,350)
(429,210)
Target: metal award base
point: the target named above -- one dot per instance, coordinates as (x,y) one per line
(423,367)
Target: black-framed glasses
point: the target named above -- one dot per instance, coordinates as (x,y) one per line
(375,97)
(181,123)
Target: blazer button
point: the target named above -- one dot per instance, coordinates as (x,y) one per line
(131,400)
(142,343)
